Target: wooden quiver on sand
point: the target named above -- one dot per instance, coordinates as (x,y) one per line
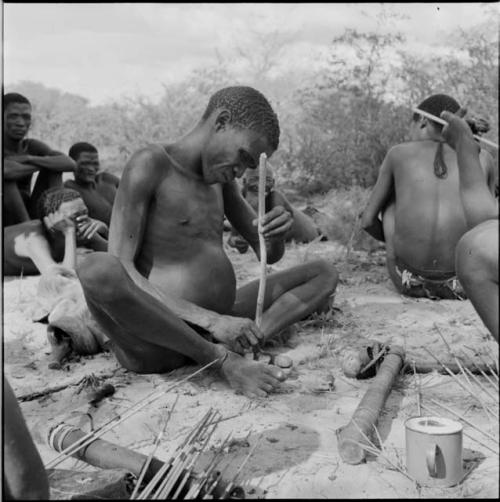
(351,437)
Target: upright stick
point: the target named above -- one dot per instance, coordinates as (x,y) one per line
(443,122)
(262,242)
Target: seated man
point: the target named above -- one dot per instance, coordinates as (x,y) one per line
(303,228)
(24,476)
(417,191)
(33,247)
(165,293)
(477,250)
(22,158)
(97,189)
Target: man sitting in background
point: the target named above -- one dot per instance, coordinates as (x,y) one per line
(97,189)
(477,251)
(417,191)
(34,246)
(303,228)
(22,158)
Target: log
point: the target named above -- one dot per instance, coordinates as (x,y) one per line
(350,437)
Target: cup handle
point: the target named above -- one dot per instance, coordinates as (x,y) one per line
(430,457)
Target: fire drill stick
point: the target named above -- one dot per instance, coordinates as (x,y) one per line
(351,437)
(262,242)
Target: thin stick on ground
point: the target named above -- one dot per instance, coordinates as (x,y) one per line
(436,327)
(492,382)
(455,378)
(372,448)
(231,484)
(473,391)
(417,383)
(262,242)
(468,422)
(96,433)
(153,451)
(434,412)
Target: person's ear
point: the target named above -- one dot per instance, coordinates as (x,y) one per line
(222,120)
(423,122)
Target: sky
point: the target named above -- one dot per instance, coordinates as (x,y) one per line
(103,51)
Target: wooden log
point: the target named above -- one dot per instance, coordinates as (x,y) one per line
(350,437)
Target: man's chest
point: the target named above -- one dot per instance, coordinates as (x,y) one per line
(190,204)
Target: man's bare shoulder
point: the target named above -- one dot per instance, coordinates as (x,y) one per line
(148,162)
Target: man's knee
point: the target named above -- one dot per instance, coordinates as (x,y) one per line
(328,274)
(100,275)
(476,254)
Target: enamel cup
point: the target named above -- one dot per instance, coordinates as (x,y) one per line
(434,451)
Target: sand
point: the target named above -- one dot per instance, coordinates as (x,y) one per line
(297,454)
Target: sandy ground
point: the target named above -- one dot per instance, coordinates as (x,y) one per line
(297,453)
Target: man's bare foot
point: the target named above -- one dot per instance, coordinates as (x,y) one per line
(254,379)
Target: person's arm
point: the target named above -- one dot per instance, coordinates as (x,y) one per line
(381,193)
(42,156)
(244,219)
(14,169)
(491,169)
(24,474)
(138,184)
(57,222)
(478,202)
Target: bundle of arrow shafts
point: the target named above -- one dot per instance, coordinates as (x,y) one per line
(179,477)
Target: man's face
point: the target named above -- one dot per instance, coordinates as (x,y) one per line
(230,152)
(72,209)
(251,181)
(17,120)
(87,165)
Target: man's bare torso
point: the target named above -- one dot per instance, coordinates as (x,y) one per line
(181,251)
(429,217)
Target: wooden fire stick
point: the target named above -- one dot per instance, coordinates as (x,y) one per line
(443,122)
(262,242)
(351,437)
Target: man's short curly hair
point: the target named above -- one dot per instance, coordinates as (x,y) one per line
(436,104)
(51,200)
(249,109)
(14,97)
(78,148)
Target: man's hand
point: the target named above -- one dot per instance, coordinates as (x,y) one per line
(238,333)
(457,129)
(87,227)
(276,222)
(58,221)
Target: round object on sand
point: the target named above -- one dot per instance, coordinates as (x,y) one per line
(352,364)
(283,361)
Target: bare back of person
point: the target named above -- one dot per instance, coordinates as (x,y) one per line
(429,217)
